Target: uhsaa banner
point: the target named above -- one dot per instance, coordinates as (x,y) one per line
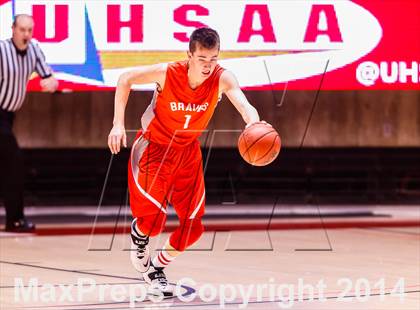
(265,43)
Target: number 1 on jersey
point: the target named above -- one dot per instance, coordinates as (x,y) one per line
(187,121)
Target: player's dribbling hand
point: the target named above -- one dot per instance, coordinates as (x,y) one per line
(116,137)
(259,122)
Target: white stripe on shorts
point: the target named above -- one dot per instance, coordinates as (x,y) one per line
(198,206)
(136,153)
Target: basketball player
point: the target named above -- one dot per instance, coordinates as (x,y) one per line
(165,165)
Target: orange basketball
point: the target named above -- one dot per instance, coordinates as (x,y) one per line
(259,144)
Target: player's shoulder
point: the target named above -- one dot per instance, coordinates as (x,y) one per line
(176,66)
(227,75)
(156,70)
(227,80)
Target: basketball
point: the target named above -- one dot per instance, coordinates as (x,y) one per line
(259,144)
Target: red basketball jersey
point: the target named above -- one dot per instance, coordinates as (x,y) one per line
(178,114)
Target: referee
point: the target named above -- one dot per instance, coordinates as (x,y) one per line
(19,58)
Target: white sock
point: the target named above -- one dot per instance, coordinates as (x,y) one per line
(162,259)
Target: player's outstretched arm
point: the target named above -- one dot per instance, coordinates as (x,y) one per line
(230,87)
(142,75)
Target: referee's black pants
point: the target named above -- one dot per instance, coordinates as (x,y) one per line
(11,169)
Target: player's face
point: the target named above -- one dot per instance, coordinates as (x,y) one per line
(22,31)
(203,61)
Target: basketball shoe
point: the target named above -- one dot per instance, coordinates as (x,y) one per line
(140,253)
(156,278)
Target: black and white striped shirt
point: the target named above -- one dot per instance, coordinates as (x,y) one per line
(16,67)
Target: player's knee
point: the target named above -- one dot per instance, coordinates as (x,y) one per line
(151,225)
(186,234)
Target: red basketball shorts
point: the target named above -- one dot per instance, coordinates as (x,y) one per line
(161,174)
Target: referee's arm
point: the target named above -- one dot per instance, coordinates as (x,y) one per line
(48,82)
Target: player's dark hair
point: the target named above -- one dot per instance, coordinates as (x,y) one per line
(207,38)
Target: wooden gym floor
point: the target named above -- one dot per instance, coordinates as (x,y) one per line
(357,268)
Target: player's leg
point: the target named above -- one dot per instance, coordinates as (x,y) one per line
(148,179)
(151,275)
(187,183)
(188,199)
